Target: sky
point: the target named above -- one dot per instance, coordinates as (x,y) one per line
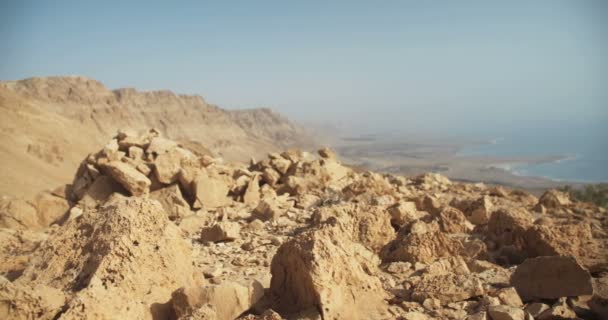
(458,67)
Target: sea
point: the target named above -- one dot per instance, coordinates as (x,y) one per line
(581,152)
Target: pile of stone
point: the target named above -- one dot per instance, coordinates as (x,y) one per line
(150,229)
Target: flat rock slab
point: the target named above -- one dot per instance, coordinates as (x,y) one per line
(551,277)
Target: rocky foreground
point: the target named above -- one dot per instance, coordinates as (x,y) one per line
(152,230)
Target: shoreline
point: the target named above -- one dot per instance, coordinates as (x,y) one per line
(410,158)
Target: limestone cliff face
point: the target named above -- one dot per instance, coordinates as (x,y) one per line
(41,116)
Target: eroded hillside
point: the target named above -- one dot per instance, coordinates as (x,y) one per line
(49,124)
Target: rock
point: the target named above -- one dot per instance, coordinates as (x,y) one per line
(23,302)
(193,224)
(50,208)
(167,165)
(481,211)
(553,199)
(560,310)
(116,261)
(368,225)
(454,264)
(134,181)
(18,214)
(404,213)
(271,176)
(413,315)
(447,288)
(159,146)
(570,238)
(536,308)
(222,231)
(420,247)
(268,209)
(506,313)
(281,165)
(172,201)
(252,193)
(228,299)
(323,268)
(551,278)
(508,229)
(211,190)
(100,190)
(453,220)
(508,296)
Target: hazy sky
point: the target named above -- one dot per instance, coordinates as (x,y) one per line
(409,65)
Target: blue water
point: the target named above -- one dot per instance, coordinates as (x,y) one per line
(585,149)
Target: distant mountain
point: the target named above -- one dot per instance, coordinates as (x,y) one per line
(49,124)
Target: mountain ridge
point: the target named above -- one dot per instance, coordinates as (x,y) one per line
(42,115)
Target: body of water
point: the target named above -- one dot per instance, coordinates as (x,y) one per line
(583,153)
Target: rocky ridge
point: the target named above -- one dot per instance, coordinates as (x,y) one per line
(152,229)
(49,124)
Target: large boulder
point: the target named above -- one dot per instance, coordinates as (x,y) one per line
(122,260)
(551,278)
(567,238)
(323,268)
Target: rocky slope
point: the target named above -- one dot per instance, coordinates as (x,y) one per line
(149,229)
(49,124)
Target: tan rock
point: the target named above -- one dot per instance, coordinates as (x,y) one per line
(570,238)
(551,278)
(228,299)
(447,288)
(252,193)
(23,302)
(420,247)
(172,201)
(481,211)
(536,308)
(221,231)
(193,224)
(18,214)
(506,313)
(100,190)
(159,146)
(453,220)
(211,190)
(131,179)
(322,268)
(508,296)
(50,208)
(553,199)
(167,165)
(268,209)
(404,213)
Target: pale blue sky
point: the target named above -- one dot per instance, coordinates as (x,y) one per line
(434,66)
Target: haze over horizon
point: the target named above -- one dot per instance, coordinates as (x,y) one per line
(452,68)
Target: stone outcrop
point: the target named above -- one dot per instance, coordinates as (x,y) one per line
(323,268)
